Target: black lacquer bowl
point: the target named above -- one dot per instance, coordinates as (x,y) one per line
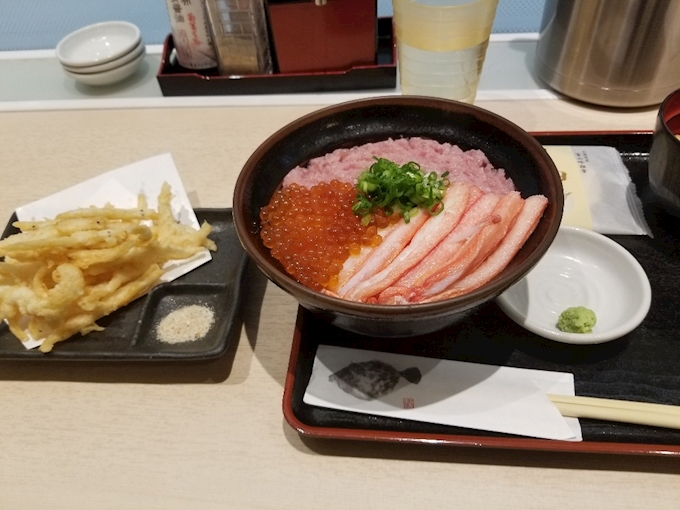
(664,155)
(354,123)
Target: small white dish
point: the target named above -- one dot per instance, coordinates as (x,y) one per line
(581,268)
(98,43)
(108,77)
(112,64)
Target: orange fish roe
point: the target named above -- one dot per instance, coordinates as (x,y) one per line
(312,231)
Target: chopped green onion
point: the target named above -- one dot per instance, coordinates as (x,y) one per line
(402,189)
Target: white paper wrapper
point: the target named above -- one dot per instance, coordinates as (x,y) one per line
(476,396)
(614,204)
(599,193)
(121,188)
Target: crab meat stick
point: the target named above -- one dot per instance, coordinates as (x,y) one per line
(498,260)
(385,252)
(355,262)
(480,207)
(402,291)
(478,249)
(431,233)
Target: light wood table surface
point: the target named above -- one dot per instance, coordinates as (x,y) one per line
(212,435)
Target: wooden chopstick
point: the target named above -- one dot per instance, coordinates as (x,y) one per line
(641,413)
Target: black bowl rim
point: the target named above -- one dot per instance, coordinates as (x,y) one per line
(486,292)
(664,116)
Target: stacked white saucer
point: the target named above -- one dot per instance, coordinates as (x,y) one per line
(103,53)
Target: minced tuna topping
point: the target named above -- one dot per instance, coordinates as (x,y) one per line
(345,165)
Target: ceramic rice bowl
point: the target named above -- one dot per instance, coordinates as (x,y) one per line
(354,123)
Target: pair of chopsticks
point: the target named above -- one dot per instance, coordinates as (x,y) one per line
(641,413)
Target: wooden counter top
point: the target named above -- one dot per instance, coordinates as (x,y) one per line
(212,435)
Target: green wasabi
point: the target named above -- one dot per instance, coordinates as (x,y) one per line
(577,319)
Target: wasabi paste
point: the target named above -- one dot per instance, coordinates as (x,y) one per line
(577,319)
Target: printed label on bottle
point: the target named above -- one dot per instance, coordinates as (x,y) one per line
(191,34)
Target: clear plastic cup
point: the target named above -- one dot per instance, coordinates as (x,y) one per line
(441,45)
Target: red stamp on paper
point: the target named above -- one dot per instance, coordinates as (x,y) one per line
(409,403)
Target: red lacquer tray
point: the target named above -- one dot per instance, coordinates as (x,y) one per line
(643,365)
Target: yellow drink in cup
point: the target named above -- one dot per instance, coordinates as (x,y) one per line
(441,45)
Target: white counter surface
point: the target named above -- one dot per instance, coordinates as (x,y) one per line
(35,81)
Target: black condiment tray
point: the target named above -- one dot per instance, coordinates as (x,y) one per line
(644,365)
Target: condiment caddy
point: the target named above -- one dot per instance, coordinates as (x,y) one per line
(176,80)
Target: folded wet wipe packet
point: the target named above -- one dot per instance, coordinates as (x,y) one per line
(598,192)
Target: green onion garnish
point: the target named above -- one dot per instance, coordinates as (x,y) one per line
(402,189)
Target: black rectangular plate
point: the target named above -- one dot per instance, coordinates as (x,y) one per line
(643,365)
(129,333)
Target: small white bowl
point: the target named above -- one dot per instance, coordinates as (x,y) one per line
(110,76)
(131,55)
(581,268)
(98,43)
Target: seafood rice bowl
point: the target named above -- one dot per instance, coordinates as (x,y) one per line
(397,216)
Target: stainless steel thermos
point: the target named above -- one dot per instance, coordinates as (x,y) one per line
(622,53)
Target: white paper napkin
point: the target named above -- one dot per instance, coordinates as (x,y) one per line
(121,188)
(476,396)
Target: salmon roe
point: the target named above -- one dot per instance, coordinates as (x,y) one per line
(312,231)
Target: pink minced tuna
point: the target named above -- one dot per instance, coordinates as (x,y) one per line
(346,164)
